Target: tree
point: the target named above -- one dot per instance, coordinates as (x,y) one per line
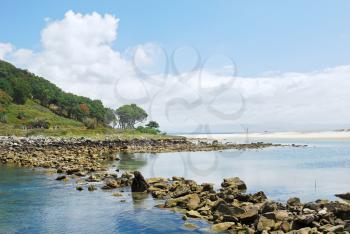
(152,124)
(21,91)
(129,115)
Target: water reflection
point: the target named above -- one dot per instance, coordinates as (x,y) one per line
(318,171)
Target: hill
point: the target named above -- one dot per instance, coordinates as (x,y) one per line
(22,85)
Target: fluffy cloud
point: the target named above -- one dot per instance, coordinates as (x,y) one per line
(77,54)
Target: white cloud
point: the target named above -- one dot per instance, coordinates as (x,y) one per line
(5,48)
(77,54)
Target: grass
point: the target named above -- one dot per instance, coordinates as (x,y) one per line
(64,127)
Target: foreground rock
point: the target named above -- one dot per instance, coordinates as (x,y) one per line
(231,210)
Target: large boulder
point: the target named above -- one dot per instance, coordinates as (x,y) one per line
(139,183)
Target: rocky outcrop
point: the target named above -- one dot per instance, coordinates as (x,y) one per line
(345,196)
(231,209)
(139,183)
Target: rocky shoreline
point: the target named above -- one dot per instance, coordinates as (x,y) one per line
(82,155)
(229,209)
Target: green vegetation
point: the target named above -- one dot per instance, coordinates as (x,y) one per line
(22,85)
(31,105)
(129,115)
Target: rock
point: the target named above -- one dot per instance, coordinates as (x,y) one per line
(222,208)
(258,197)
(177,178)
(206,187)
(190,202)
(62,177)
(139,183)
(285,226)
(294,201)
(332,229)
(79,188)
(117,194)
(278,215)
(220,227)
(249,216)
(190,225)
(193,214)
(345,196)
(265,224)
(302,221)
(268,206)
(235,183)
(180,191)
(92,188)
(111,184)
(156,180)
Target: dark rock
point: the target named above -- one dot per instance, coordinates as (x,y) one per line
(79,188)
(62,177)
(345,196)
(139,183)
(268,206)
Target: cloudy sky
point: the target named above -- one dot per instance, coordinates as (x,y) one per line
(195,66)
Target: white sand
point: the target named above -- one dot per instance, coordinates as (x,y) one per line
(336,135)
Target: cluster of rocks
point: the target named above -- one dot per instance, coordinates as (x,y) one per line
(81,155)
(231,209)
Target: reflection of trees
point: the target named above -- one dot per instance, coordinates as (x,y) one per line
(132,161)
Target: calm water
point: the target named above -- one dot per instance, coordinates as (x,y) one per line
(33,202)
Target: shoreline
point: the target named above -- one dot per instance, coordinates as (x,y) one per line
(84,155)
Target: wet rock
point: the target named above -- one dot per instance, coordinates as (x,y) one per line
(190,225)
(62,177)
(139,183)
(79,188)
(220,227)
(193,214)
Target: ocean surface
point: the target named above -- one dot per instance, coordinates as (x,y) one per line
(32,201)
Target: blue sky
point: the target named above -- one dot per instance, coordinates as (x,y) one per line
(261,36)
(293,58)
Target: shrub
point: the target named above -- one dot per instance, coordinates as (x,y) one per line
(148,130)
(39,123)
(3,117)
(90,123)
(21,115)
